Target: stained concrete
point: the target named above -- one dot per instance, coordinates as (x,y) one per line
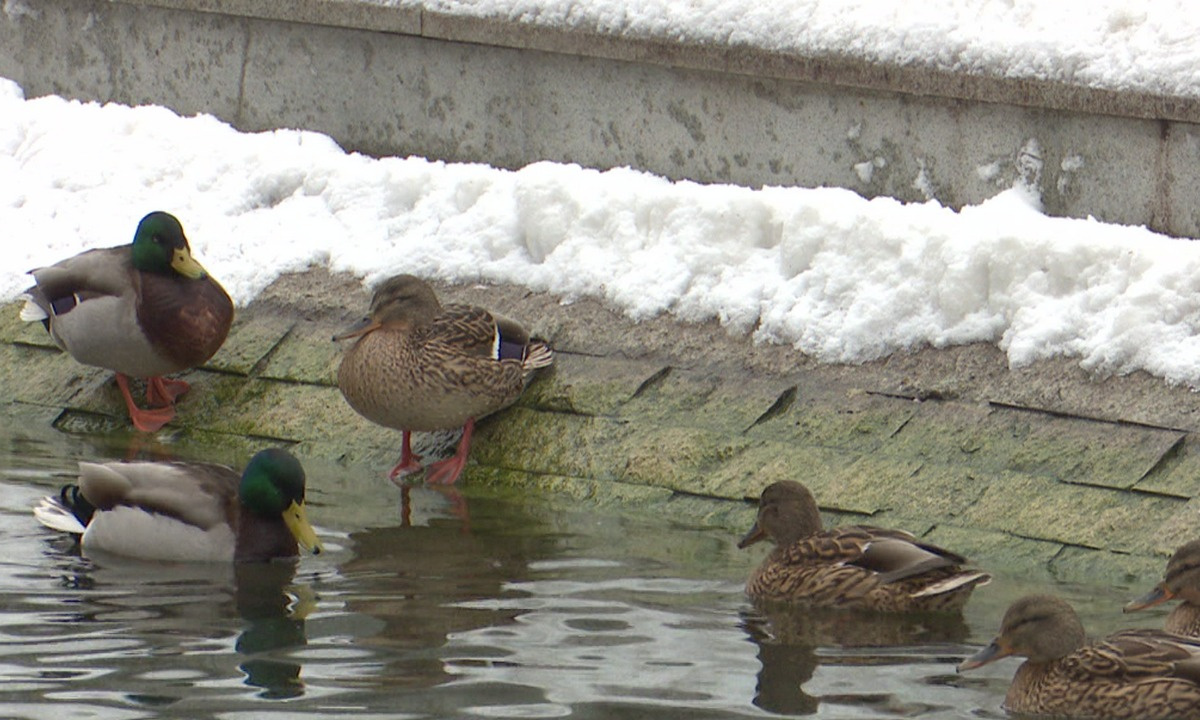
(401,81)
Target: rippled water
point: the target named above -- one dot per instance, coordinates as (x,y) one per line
(434,605)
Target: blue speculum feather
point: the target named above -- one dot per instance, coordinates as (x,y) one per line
(511,350)
(62,305)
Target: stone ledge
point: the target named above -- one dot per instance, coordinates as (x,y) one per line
(691,418)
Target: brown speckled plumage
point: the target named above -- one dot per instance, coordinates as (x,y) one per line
(855,566)
(1143,674)
(1181,582)
(417,365)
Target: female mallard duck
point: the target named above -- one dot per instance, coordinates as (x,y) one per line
(1142,674)
(144,309)
(1182,581)
(855,566)
(420,366)
(187,511)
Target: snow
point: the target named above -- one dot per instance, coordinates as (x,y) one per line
(1144,45)
(840,277)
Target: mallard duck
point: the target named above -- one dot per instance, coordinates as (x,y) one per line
(856,566)
(186,510)
(144,309)
(1142,674)
(1182,581)
(417,365)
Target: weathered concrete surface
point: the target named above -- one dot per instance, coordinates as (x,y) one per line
(402,81)
(1042,466)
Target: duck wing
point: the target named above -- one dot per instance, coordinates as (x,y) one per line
(466,330)
(1131,655)
(199,494)
(105,272)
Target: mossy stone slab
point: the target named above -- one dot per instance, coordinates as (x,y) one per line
(250,340)
(745,474)
(586,385)
(1085,566)
(994,550)
(306,354)
(554,443)
(1071,449)
(858,421)
(1046,509)
(1177,474)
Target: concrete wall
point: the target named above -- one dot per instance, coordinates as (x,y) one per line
(394,81)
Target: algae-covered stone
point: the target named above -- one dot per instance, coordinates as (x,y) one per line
(250,339)
(553,443)
(857,421)
(1046,509)
(586,385)
(1139,573)
(746,474)
(307,354)
(994,550)
(1177,473)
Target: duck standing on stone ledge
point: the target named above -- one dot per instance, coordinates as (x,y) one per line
(416,365)
(853,567)
(145,309)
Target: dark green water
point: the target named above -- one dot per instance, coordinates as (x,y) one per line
(523,606)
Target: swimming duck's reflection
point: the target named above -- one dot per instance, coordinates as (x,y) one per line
(274,611)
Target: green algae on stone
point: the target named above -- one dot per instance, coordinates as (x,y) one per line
(248,342)
(859,422)
(307,354)
(993,549)
(1139,573)
(553,443)
(1043,508)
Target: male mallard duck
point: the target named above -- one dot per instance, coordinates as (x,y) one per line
(856,566)
(144,309)
(1182,581)
(420,366)
(1142,674)
(187,511)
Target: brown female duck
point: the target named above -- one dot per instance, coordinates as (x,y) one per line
(1182,581)
(417,365)
(856,566)
(145,309)
(1143,674)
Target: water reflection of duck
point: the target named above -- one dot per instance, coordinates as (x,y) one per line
(185,510)
(830,627)
(273,625)
(422,577)
(785,667)
(144,309)
(855,566)
(417,365)
(1143,674)
(1182,581)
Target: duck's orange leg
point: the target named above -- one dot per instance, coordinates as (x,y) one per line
(445,472)
(162,391)
(144,420)
(409,461)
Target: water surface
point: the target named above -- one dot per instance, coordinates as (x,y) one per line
(431,604)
